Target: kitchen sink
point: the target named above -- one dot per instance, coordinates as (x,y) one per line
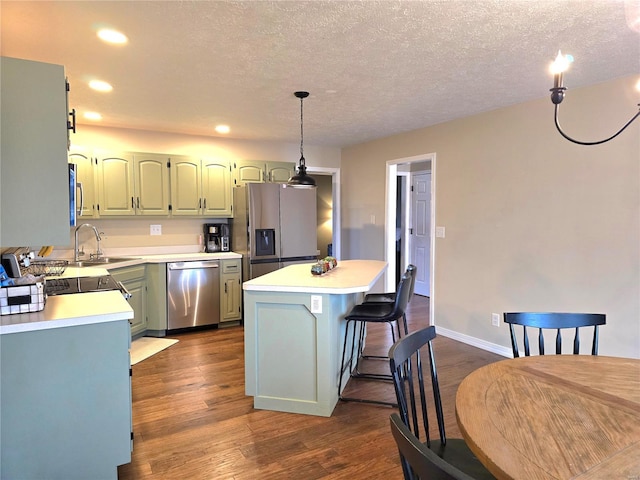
(96,262)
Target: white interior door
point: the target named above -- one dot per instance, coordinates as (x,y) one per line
(421,230)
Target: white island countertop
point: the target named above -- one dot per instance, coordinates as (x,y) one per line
(350,276)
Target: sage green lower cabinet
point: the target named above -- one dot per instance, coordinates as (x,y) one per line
(65,408)
(156,300)
(135,281)
(231,291)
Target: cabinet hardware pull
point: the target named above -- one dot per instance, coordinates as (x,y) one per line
(204,206)
(133,205)
(71,124)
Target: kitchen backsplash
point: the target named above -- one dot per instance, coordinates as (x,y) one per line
(134,235)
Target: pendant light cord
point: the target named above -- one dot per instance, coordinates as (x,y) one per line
(302,161)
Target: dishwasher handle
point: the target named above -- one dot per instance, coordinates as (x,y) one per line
(193,265)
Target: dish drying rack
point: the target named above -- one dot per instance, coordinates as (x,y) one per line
(46,267)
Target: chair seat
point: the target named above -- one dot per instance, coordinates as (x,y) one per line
(457,453)
(380,297)
(372,312)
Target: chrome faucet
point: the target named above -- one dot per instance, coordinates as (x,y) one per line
(77,253)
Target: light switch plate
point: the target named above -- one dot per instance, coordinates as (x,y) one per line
(316,304)
(440,232)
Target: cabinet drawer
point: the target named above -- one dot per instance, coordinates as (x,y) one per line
(230,266)
(127,274)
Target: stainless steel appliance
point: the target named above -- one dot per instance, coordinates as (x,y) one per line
(193,294)
(65,286)
(216,237)
(273,226)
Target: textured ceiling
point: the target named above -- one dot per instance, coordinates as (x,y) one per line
(374,68)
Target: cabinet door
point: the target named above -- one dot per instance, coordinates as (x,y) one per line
(116,195)
(86,172)
(186,192)
(133,279)
(151,178)
(216,188)
(34,177)
(231,291)
(249,171)
(280,172)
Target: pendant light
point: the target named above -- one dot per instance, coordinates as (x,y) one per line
(301,179)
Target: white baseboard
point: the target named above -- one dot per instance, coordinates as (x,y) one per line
(475,342)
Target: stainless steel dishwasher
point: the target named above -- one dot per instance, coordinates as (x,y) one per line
(193,294)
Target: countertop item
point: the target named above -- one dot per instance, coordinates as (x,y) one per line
(554,417)
(350,276)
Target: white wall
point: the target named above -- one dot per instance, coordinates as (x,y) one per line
(533,222)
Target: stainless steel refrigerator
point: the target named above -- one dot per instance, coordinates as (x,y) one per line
(273,226)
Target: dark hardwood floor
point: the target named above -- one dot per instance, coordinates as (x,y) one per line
(191,419)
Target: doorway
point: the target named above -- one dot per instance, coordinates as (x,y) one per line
(401,176)
(328,203)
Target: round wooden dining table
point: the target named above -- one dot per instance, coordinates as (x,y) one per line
(554,417)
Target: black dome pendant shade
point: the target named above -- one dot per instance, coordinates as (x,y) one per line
(301,179)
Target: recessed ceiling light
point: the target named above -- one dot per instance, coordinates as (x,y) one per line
(100,86)
(95,116)
(223,128)
(112,36)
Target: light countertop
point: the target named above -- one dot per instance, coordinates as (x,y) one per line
(94,307)
(350,276)
(70,310)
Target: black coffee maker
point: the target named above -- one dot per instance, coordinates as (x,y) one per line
(216,237)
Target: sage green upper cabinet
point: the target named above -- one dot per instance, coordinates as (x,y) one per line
(34,177)
(151,178)
(116,195)
(85,176)
(216,188)
(133,184)
(186,186)
(200,187)
(259,171)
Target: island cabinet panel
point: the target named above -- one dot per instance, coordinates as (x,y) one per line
(292,356)
(34,176)
(66,402)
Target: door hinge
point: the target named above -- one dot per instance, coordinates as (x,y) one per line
(132,435)
(412,188)
(131,372)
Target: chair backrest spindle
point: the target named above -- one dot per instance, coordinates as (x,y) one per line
(556,321)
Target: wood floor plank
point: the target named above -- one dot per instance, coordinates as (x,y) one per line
(192,420)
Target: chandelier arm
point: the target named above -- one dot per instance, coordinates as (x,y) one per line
(557,122)
(302,161)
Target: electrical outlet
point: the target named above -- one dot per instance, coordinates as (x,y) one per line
(155,230)
(440,232)
(495,319)
(316,303)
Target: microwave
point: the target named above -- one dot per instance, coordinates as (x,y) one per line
(76,200)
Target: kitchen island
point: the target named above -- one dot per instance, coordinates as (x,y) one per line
(294,328)
(65,408)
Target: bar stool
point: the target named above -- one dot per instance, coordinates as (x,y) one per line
(358,317)
(390,297)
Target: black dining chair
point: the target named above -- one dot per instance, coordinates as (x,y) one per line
(415,409)
(419,461)
(357,320)
(553,321)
